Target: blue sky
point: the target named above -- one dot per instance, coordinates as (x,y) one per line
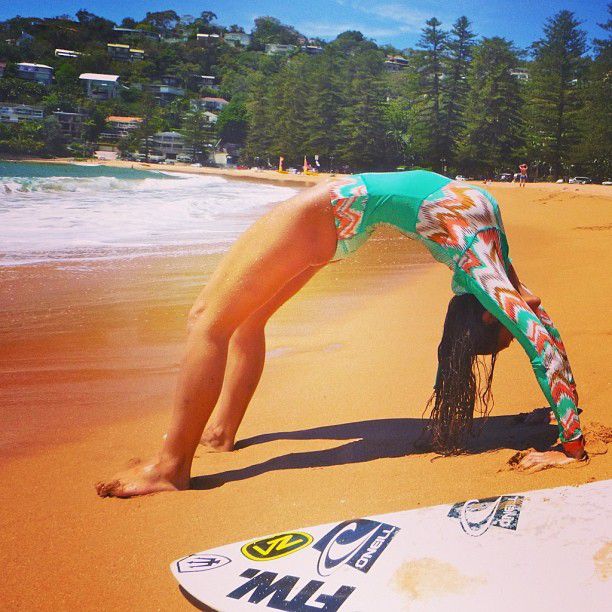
(396,22)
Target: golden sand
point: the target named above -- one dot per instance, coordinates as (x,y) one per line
(88,362)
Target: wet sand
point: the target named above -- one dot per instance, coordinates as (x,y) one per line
(87,367)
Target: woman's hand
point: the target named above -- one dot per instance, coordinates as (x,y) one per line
(535,461)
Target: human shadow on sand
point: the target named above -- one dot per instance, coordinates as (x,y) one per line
(379,439)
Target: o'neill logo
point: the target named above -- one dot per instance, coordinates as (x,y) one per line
(477,515)
(201,563)
(355,543)
(276,546)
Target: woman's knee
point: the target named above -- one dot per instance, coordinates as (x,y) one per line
(204,322)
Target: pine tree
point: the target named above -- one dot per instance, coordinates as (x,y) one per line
(594,152)
(363,142)
(326,99)
(492,130)
(433,43)
(460,44)
(554,91)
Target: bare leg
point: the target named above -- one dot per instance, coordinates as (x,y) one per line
(247,353)
(296,235)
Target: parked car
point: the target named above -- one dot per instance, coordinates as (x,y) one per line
(580,180)
(184,159)
(607,182)
(505,177)
(460,177)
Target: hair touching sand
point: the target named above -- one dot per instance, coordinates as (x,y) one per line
(463,382)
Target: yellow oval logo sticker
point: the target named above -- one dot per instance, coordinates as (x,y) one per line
(276,546)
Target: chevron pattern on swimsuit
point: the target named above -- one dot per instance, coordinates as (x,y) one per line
(490,274)
(455,216)
(348,201)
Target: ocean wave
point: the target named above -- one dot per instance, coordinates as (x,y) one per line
(51,218)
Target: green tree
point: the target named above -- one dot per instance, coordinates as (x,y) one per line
(232,121)
(271,30)
(554,91)
(151,123)
(459,45)
(363,131)
(593,154)
(198,132)
(431,60)
(492,130)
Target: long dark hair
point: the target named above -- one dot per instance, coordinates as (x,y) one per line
(463,382)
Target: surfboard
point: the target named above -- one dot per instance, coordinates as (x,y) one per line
(540,550)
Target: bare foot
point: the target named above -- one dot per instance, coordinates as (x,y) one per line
(215,440)
(142,478)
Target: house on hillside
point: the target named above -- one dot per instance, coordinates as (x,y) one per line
(71,124)
(238,39)
(124,53)
(208,39)
(278,49)
(169,144)
(18,113)
(101,86)
(209,103)
(67,53)
(137,32)
(122,126)
(166,90)
(311,49)
(522,74)
(395,63)
(39,73)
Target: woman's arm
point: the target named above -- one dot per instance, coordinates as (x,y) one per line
(502,294)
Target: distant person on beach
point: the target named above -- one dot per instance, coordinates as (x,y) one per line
(461,226)
(522,175)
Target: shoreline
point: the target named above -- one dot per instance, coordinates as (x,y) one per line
(298,180)
(265,176)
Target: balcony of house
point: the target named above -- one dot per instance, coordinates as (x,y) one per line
(18,113)
(39,73)
(101,86)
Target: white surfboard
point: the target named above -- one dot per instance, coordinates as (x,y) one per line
(541,550)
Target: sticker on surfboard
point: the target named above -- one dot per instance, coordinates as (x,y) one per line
(542,550)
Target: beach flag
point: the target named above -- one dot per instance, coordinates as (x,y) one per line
(281,159)
(306,167)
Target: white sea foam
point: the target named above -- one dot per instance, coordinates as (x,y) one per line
(55,218)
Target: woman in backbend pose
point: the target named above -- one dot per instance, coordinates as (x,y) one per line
(460,225)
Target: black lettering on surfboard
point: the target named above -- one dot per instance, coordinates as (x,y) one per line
(261,585)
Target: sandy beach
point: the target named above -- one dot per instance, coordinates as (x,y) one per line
(88,363)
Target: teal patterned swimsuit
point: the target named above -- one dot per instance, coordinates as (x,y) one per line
(461,225)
